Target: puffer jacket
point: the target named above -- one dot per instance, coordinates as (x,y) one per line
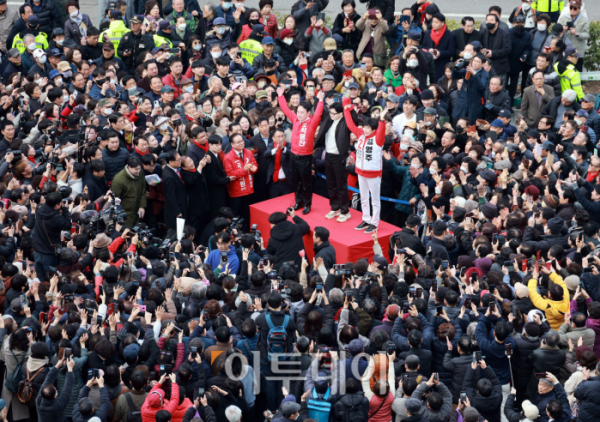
(488,407)
(156,401)
(47,14)
(555,310)
(567,332)
(114,161)
(587,393)
(522,363)
(346,402)
(286,241)
(287,52)
(407,190)
(458,366)
(443,413)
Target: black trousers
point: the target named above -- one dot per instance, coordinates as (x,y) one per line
(260,189)
(302,179)
(513,82)
(337,182)
(279,188)
(526,69)
(240,206)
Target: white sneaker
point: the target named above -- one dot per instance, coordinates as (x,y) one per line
(344,217)
(332,214)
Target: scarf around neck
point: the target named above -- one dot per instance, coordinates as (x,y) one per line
(436,36)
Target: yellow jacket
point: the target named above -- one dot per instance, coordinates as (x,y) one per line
(555,310)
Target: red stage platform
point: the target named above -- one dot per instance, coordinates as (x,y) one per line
(349,244)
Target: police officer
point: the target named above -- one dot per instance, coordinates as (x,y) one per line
(570,78)
(41,39)
(133,43)
(116,29)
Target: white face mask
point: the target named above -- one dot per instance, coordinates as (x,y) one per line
(526,7)
(189,89)
(453,182)
(60,42)
(215,54)
(181,27)
(221,30)
(43,60)
(438,190)
(108,111)
(74,14)
(227,5)
(114,81)
(409,91)
(164,127)
(541,27)
(409,132)
(39,81)
(579,122)
(413,63)
(468,56)
(58,81)
(404,147)
(464,170)
(415,166)
(31,47)
(428,123)
(65,98)
(574,156)
(238,5)
(288,41)
(197,47)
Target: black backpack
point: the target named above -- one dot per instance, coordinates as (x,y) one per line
(15,377)
(354,413)
(134,415)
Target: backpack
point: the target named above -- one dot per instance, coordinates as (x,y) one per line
(134,415)
(248,351)
(14,379)
(28,391)
(319,408)
(354,413)
(277,338)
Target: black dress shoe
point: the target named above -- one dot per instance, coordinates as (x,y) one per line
(306,209)
(297,206)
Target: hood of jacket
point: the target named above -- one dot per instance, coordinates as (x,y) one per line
(283,231)
(33,364)
(350,400)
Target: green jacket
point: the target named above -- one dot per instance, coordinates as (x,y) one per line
(190,21)
(570,79)
(545,6)
(132,191)
(407,190)
(389,77)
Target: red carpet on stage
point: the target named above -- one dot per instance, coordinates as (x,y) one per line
(349,244)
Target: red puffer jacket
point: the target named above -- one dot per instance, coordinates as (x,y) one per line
(155,401)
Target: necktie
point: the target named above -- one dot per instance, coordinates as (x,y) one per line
(277,165)
(178,173)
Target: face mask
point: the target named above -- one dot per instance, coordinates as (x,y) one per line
(221,30)
(31,47)
(490,26)
(541,27)
(574,157)
(415,166)
(60,42)
(526,7)
(67,74)
(288,41)
(39,81)
(438,190)
(519,28)
(238,5)
(65,98)
(181,27)
(468,56)
(216,54)
(68,150)
(409,91)
(43,60)
(226,6)
(453,182)
(108,111)
(579,122)
(413,63)
(74,14)
(409,132)
(58,82)
(428,123)
(404,147)
(189,89)
(464,170)
(254,21)
(197,47)
(164,127)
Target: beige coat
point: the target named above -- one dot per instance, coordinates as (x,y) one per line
(378,36)
(19,410)
(530,108)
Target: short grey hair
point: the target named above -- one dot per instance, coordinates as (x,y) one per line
(336,296)
(213,8)
(569,95)
(233,414)
(406,138)
(318,69)
(369,306)
(198,290)
(546,381)
(552,338)
(28,38)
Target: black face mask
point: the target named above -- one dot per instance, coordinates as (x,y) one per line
(100,82)
(490,26)
(270,72)
(254,21)
(263,105)
(519,28)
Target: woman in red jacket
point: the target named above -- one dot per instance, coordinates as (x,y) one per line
(253,18)
(268,19)
(156,401)
(381,396)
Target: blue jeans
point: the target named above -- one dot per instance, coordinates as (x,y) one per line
(43,262)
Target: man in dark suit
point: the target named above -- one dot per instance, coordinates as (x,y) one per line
(408,237)
(216,177)
(198,211)
(465,35)
(176,199)
(279,171)
(198,145)
(439,41)
(497,46)
(259,142)
(334,136)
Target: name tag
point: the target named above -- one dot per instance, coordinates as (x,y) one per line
(142,46)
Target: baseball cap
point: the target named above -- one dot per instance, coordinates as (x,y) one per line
(589,98)
(414,35)
(54,52)
(431,110)
(572,52)
(557,28)
(116,14)
(530,410)
(505,113)
(289,408)
(548,146)
(393,98)
(156,50)
(134,91)
(519,18)
(353,85)
(267,41)
(165,24)
(167,88)
(413,406)
(54,74)
(103,102)
(382,263)
(261,94)
(136,19)
(497,123)
(3,1)
(328,78)
(131,352)
(38,52)
(582,113)
(575,3)
(533,133)
(14,52)
(219,21)
(33,20)
(329,44)
(108,46)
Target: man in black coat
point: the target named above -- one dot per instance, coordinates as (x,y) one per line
(323,248)
(496,99)
(198,145)
(437,244)
(458,365)
(465,35)
(259,142)
(520,49)
(408,237)
(496,45)
(286,239)
(176,199)
(95,180)
(334,136)
(442,48)
(280,184)
(216,177)
(485,395)
(198,212)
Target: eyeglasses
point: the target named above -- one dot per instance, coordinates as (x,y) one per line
(574,8)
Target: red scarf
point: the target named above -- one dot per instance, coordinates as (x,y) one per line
(277,165)
(436,36)
(202,147)
(32,159)
(591,176)
(421,10)
(140,152)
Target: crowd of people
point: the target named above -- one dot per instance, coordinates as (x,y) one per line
(135,288)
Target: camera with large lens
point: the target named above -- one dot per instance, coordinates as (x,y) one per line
(461,64)
(17,153)
(236,224)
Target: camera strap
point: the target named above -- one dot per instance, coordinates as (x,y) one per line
(56,251)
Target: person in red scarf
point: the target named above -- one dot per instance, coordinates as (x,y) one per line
(140,147)
(198,145)
(440,42)
(279,172)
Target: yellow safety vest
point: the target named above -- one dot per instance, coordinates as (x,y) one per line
(158,41)
(545,6)
(41,41)
(115,32)
(571,79)
(249,49)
